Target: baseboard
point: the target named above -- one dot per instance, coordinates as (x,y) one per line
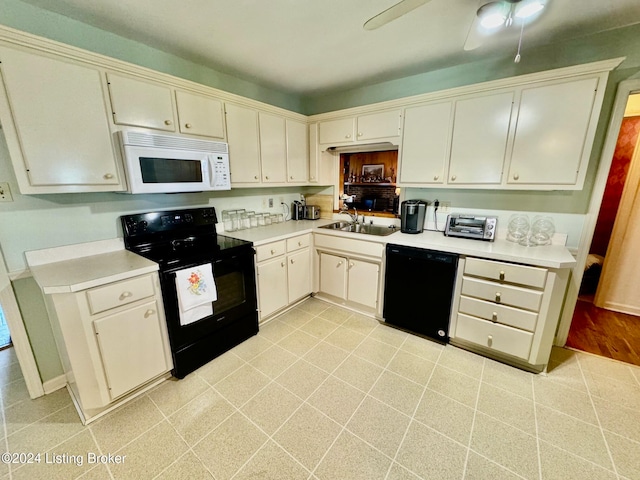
(621,308)
(54,384)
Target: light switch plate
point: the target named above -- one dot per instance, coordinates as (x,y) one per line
(5,193)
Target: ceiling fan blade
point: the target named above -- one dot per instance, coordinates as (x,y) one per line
(391,13)
(474,36)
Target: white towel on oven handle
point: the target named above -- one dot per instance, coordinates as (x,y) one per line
(195,287)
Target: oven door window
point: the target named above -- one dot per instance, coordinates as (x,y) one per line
(169,170)
(231,291)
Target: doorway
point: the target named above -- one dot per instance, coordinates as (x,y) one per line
(5,336)
(610,331)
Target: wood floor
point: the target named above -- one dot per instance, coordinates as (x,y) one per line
(606,333)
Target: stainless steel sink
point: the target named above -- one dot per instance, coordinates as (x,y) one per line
(378,230)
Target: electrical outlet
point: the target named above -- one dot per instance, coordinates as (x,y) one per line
(444,207)
(5,193)
(271,203)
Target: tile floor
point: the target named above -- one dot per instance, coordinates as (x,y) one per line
(323,393)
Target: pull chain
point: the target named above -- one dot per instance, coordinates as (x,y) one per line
(518,57)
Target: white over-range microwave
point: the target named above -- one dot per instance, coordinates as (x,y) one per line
(173,164)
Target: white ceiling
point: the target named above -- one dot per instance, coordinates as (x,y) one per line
(308,47)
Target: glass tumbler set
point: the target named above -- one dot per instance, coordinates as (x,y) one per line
(538,232)
(242,219)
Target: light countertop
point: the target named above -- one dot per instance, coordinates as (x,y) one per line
(64,275)
(551,256)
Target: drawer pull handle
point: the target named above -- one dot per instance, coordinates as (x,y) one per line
(148,313)
(498,297)
(490,341)
(494,316)
(124,295)
(272,251)
(501,274)
(299,244)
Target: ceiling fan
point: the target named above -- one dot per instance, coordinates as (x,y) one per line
(399,9)
(495,16)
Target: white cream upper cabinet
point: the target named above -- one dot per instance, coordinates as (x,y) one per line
(297,152)
(366,127)
(426,138)
(141,103)
(554,131)
(56,123)
(200,115)
(273,148)
(244,144)
(479,143)
(337,131)
(379,125)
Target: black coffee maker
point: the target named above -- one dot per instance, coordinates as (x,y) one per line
(298,210)
(412,213)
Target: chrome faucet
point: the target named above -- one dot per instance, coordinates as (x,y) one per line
(354,215)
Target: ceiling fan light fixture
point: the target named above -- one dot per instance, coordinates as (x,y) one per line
(528,8)
(493,15)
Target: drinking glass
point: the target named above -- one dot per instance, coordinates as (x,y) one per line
(518,227)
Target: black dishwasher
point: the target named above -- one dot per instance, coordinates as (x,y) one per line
(418,290)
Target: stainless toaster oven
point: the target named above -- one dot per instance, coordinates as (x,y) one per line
(471,226)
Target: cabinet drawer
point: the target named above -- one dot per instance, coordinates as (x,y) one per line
(502,294)
(121,293)
(296,243)
(513,317)
(270,250)
(494,336)
(506,272)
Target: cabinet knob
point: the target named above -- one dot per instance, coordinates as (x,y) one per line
(436,177)
(498,297)
(359,134)
(266,178)
(501,274)
(187,125)
(291,177)
(255,177)
(108,176)
(516,176)
(292,261)
(351,265)
(168,122)
(299,244)
(124,295)
(312,177)
(489,340)
(347,136)
(272,251)
(339,263)
(149,312)
(453,178)
(494,316)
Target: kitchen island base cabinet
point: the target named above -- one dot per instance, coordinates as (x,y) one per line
(115,354)
(508,311)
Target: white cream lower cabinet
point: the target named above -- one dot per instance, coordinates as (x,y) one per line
(112,341)
(284,273)
(508,310)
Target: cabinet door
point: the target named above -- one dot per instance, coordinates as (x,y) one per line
(299,274)
(132,347)
(297,152)
(425,145)
(200,115)
(272,286)
(244,146)
(337,131)
(479,143)
(140,103)
(363,283)
(379,125)
(273,148)
(333,275)
(61,122)
(553,123)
